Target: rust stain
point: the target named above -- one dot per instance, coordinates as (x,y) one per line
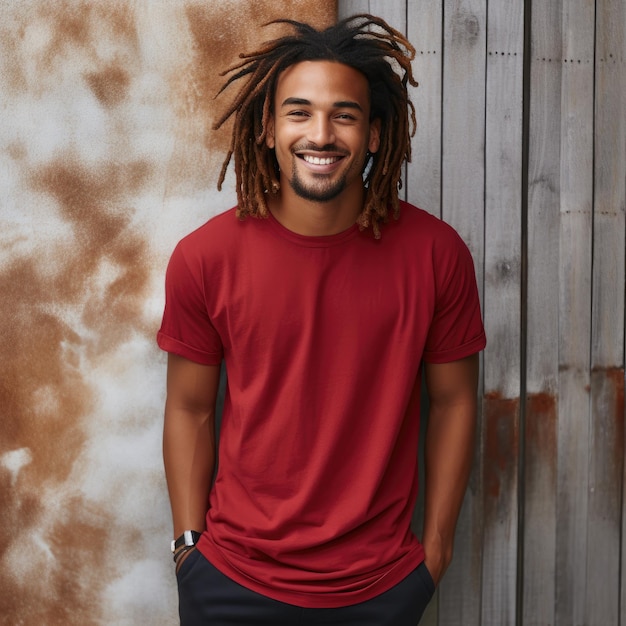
(501,417)
(71,22)
(81,191)
(57,305)
(44,36)
(110,85)
(541,423)
(69,594)
(32,345)
(80,566)
(93,202)
(33,360)
(16,150)
(44,395)
(43,392)
(541,449)
(76,294)
(217,41)
(615,377)
(81,23)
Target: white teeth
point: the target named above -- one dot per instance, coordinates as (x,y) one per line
(317,161)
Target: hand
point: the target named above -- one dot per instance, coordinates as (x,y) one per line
(436,561)
(435,568)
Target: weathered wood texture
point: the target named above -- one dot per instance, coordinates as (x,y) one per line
(606,441)
(462,205)
(539,523)
(502,309)
(521,145)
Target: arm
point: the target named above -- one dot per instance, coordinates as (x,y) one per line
(449,452)
(189,440)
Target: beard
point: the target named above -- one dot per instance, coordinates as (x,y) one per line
(323,190)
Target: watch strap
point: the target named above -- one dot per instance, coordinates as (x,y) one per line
(188,538)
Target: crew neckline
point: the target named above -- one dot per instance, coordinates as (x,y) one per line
(310,241)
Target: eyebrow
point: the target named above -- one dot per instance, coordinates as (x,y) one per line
(342,104)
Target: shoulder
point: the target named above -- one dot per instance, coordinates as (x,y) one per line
(220,237)
(432,243)
(418,226)
(214,230)
(223,244)
(204,245)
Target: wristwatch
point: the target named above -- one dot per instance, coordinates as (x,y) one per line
(188,538)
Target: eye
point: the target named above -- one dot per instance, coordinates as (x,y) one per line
(345,117)
(297,113)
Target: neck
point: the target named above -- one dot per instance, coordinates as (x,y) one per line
(317,219)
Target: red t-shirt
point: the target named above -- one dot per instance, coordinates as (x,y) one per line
(323,339)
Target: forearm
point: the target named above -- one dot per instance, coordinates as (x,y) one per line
(449,452)
(189,459)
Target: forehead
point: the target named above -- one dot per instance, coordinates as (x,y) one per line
(322,82)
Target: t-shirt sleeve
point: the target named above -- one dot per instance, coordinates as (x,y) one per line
(186,328)
(456,329)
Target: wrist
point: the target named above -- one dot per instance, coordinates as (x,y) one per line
(180,556)
(188,538)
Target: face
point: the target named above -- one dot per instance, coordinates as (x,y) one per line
(320,129)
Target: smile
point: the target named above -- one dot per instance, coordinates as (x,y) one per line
(320,160)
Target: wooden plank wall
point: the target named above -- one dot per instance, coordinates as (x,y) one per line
(521,145)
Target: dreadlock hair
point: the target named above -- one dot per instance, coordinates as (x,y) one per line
(363,42)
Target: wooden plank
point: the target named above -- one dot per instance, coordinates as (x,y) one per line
(393,11)
(542,311)
(575,297)
(424,31)
(423,180)
(606,445)
(539,520)
(462,202)
(503,262)
(345,8)
(463,122)
(607,357)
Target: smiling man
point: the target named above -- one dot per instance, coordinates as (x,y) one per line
(326,299)
(321,138)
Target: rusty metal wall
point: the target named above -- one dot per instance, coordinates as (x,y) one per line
(106,159)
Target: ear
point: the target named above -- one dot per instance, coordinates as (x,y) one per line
(270,142)
(374,141)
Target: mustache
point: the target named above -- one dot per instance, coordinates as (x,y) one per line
(312,147)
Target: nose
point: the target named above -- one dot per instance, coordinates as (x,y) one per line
(320,131)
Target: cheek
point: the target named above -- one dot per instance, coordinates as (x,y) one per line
(283,156)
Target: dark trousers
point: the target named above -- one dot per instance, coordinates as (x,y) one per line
(208,598)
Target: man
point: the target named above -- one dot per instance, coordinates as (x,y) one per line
(325,309)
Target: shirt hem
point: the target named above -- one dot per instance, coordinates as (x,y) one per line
(169,344)
(460,352)
(322,600)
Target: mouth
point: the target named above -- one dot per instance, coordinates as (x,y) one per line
(315,160)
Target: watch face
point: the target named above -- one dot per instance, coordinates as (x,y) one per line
(188,538)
